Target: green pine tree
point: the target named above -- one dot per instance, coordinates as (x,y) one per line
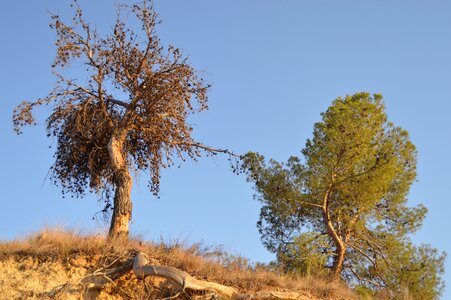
(342,207)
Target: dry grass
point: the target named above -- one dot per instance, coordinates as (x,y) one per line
(41,265)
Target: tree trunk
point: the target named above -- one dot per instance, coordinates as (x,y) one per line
(340,246)
(338,261)
(122,210)
(340,249)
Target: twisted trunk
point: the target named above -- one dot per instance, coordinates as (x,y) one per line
(339,259)
(340,246)
(122,210)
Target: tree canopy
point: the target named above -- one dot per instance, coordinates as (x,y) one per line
(131,113)
(342,208)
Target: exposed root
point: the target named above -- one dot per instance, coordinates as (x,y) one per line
(182,281)
(184,285)
(179,279)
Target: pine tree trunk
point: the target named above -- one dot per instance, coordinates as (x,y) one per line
(122,210)
(340,251)
(338,261)
(340,246)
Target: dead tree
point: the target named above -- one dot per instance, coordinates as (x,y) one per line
(131,113)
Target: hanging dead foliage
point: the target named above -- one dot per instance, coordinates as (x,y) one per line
(131,112)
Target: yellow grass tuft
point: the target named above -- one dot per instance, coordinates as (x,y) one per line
(56,263)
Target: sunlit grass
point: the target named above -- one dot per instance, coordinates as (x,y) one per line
(69,255)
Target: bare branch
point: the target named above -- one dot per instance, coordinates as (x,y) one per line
(206,148)
(364,279)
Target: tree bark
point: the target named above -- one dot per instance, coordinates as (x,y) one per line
(340,247)
(339,259)
(122,209)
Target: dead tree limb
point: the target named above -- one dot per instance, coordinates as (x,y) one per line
(180,279)
(184,281)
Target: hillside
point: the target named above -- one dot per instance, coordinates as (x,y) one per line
(55,264)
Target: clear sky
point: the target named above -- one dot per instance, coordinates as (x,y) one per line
(274,66)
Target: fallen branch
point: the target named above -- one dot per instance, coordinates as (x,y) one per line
(180,279)
(184,281)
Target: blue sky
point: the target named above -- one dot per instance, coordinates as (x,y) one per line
(274,66)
